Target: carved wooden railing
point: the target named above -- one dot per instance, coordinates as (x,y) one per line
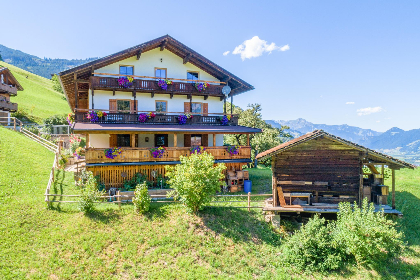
(8,106)
(95,155)
(8,89)
(141,85)
(169,118)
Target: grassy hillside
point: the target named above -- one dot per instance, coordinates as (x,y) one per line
(38,98)
(167,243)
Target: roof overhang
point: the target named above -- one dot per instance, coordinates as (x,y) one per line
(368,153)
(97,128)
(84,71)
(15,82)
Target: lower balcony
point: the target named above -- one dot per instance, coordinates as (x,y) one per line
(8,106)
(172,154)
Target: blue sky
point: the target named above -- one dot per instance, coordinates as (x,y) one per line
(365,53)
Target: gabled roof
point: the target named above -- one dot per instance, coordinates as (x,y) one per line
(6,71)
(167,42)
(320,133)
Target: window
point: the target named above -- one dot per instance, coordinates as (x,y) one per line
(196,140)
(196,107)
(123,140)
(127,70)
(160,73)
(192,76)
(161,140)
(123,105)
(161,106)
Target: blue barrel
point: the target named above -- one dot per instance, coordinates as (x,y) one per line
(247,186)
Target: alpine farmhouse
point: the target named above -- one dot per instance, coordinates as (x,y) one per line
(157,94)
(9,86)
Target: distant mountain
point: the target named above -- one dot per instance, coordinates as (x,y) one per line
(301,126)
(43,67)
(395,142)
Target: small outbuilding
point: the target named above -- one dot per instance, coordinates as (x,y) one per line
(316,171)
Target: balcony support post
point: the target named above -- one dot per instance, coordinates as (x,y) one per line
(231,104)
(93,104)
(133,140)
(214,139)
(76,91)
(87,141)
(224,105)
(175,140)
(247,139)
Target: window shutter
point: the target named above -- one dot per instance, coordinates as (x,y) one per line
(205,109)
(205,140)
(133,106)
(187,140)
(112,140)
(113,105)
(187,108)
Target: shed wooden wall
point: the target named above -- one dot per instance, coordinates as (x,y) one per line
(320,160)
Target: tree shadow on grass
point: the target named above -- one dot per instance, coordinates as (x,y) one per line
(159,210)
(105,216)
(240,225)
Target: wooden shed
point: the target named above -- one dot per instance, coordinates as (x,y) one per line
(316,171)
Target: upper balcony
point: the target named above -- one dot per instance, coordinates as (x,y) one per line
(4,88)
(150,85)
(8,106)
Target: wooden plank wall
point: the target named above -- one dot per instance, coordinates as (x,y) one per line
(320,160)
(114,176)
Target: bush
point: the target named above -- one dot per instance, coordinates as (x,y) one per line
(310,247)
(54,120)
(63,161)
(138,178)
(89,192)
(141,198)
(195,180)
(359,235)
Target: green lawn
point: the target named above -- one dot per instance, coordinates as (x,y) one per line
(38,98)
(167,243)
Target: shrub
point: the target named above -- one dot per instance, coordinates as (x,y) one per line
(310,247)
(89,192)
(359,235)
(141,198)
(54,120)
(62,161)
(138,178)
(195,180)
(364,235)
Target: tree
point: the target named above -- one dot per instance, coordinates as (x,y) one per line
(56,84)
(252,117)
(1,58)
(195,180)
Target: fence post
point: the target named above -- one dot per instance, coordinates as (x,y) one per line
(119,199)
(14,124)
(249,202)
(53,173)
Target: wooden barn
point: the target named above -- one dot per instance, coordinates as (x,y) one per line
(316,171)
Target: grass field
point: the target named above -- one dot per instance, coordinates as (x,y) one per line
(38,98)
(167,243)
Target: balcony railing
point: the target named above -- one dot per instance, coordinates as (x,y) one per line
(8,89)
(95,155)
(8,106)
(140,85)
(169,118)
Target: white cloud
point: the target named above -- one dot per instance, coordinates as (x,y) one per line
(255,47)
(226,53)
(350,103)
(369,110)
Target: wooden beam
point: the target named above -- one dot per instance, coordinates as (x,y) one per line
(393,188)
(80,81)
(214,140)
(361,190)
(247,139)
(175,140)
(226,79)
(163,46)
(87,141)
(133,140)
(93,104)
(187,58)
(138,54)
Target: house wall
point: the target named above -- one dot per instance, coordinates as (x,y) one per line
(99,140)
(320,160)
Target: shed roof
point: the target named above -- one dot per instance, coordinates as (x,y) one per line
(174,128)
(6,71)
(320,133)
(84,71)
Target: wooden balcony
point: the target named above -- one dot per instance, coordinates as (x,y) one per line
(8,89)
(151,86)
(169,118)
(8,106)
(94,155)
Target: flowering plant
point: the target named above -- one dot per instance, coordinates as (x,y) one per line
(143,116)
(182,119)
(232,149)
(74,143)
(112,152)
(70,119)
(164,84)
(225,119)
(78,152)
(94,116)
(157,152)
(197,149)
(125,82)
(201,86)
